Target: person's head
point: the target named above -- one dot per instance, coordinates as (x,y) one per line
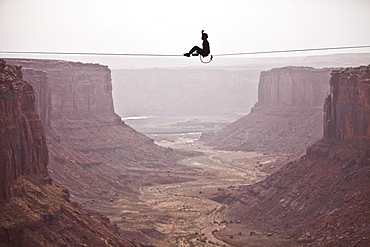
(204,36)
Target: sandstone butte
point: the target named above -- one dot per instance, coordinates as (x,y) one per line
(287,117)
(89,145)
(36,211)
(322,198)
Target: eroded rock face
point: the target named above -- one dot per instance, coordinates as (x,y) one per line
(39,81)
(90,148)
(36,211)
(287,117)
(322,198)
(347,108)
(23,149)
(80,110)
(293,86)
(78,91)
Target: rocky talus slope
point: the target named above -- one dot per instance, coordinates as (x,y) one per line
(322,198)
(287,117)
(35,211)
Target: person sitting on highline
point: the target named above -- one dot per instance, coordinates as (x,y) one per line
(205,51)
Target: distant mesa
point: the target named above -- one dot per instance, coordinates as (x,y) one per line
(287,117)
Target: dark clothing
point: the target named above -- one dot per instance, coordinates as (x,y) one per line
(204,52)
(206,49)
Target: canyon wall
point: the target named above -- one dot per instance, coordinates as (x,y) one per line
(322,198)
(347,108)
(39,81)
(23,149)
(80,111)
(35,211)
(287,117)
(293,86)
(77,91)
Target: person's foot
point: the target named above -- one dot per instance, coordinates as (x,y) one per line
(187,54)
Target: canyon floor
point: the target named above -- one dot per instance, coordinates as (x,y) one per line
(188,212)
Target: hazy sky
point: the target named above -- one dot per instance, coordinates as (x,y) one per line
(173,27)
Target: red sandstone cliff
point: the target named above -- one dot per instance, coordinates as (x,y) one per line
(293,86)
(347,108)
(73,91)
(323,198)
(35,211)
(287,117)
(81,113)
(23,149)
(39,81)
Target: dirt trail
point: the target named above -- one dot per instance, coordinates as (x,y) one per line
(170,234)
(208,231)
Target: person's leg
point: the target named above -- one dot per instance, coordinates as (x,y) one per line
(195,48)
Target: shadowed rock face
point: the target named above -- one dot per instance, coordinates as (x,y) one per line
(23,149)
(323,198)
(40,83)
(347,108)
(36,211)
(287,117)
